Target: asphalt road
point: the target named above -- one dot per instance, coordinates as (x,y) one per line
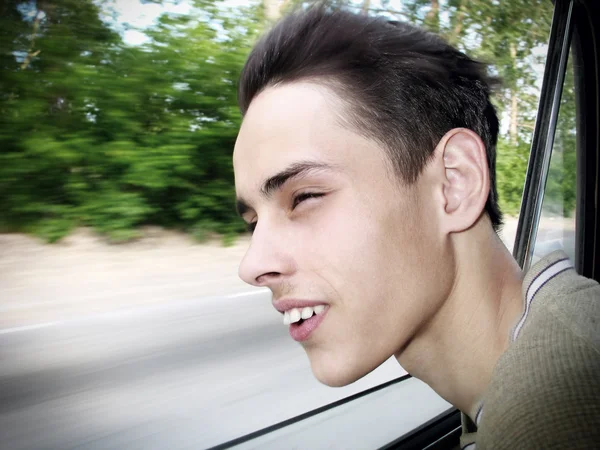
(187,375)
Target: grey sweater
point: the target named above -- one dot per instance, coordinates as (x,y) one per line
(545,389)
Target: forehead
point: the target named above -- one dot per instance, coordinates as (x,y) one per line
(298,122)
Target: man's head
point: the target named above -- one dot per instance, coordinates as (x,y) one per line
(365,146)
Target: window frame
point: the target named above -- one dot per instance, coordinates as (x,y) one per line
(586,58)
(544,132)
(572,29)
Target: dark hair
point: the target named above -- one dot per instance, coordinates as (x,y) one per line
(405,87)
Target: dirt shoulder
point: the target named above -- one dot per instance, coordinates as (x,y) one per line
(84,275)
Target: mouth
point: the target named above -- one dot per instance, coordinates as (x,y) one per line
(303,321)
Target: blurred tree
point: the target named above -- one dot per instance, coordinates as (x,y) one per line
(51,53)
(100,133)
(510,32)
(173,117)
(95,132)
(560,192)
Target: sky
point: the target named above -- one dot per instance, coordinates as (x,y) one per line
(138,15)
(133,16)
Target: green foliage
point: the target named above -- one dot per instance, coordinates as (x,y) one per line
(94,132)
(560,193)
(98,133)
(511,165)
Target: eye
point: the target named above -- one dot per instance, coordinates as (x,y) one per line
(304,196)
(251,227)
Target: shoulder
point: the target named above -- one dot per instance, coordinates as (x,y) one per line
(545,390)
(548,416)
(575,303)
(556,296)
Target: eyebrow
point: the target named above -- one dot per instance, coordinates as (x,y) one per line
(293,171)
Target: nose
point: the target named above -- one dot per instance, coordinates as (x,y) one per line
(268,259)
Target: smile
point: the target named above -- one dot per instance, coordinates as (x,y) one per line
(304,321)
(296,315)
(302,316)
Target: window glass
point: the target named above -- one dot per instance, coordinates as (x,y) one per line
(557,223)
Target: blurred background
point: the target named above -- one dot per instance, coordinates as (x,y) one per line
(122,321)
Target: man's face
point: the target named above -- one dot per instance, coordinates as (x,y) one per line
(342,233)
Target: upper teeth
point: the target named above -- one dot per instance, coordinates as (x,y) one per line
(294,315)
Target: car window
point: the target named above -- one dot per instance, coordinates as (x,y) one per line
(556,229)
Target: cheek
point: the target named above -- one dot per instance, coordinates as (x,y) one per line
(339,245)
(381,264)
(353,254)
(375,269)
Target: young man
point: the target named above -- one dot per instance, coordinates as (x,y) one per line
(365,166)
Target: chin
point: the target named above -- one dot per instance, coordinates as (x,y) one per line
(337,372)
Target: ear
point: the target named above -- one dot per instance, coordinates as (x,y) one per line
(465,179)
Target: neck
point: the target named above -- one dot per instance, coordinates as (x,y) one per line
(456,351)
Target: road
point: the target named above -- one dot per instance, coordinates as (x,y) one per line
(158,349)
(188,375)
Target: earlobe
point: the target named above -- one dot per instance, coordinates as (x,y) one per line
(466,183)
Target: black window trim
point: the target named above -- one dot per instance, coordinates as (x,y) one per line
(586,58)
(544,131)
(572,23)
(442,431)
